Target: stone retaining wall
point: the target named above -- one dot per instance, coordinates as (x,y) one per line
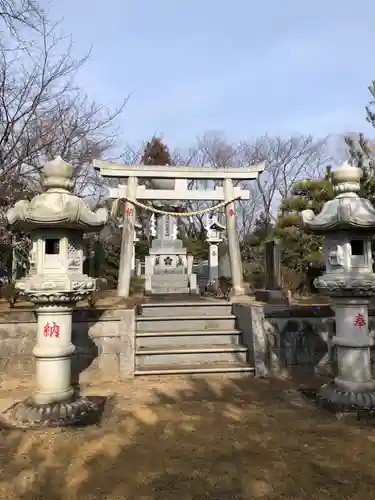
(292,340)
(104,341)
(281,339)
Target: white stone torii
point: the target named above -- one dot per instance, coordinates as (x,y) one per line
(179,174)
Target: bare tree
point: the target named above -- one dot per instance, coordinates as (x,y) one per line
(212,150)
(16,14)
(287,160)
(248,211)
(43,114)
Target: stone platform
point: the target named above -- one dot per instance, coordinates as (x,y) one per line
(171,283)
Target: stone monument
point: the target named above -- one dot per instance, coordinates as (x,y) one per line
(56,221)
(348,222)
(272,264)
(168,269)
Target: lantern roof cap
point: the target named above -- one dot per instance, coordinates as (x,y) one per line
(57,206)
(347,210)
(346,179)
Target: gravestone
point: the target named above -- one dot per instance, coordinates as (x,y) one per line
(272,265)
(273,283)
(203,275)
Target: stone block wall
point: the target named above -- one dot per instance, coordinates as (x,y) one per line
(281,340)
(290,340)
(104,341)
(17,339)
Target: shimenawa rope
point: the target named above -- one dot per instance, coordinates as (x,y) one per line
(115,207)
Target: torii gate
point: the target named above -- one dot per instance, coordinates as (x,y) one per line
(179,174)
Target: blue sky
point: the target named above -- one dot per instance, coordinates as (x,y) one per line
(243,68)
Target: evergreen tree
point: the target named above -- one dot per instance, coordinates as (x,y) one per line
(252,246)
(156,153)
(302,252)
(361,152)
(252,251)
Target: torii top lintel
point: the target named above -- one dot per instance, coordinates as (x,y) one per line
(108,169)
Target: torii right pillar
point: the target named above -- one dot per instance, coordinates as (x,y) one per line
(233,242)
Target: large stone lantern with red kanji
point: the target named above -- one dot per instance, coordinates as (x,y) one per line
(56,220)
(348,223)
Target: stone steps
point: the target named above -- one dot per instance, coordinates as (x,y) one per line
(183,338)
(185,323)
(181,355)
(211,308)
(170,289)
(212,368)
(197,336)
(170,277)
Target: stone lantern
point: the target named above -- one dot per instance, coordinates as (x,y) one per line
(213,230)
(137,233)
(348,223)
(56,221)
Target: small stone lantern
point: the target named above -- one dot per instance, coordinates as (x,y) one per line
(348,222)
(137,234)
(56,221)
(213,238)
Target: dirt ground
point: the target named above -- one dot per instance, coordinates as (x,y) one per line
(193,438)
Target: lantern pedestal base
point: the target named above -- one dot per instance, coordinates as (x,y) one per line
(335,399)
(79,411)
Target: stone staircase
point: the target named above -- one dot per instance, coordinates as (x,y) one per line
(170,283)
(189,338)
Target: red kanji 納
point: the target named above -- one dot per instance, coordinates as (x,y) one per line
(51,330)
(129,212)
(359,321)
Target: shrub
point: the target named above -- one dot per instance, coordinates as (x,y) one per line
(137,285)
(10,293)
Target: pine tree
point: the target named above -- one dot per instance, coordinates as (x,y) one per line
(302,252)
(361,152)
